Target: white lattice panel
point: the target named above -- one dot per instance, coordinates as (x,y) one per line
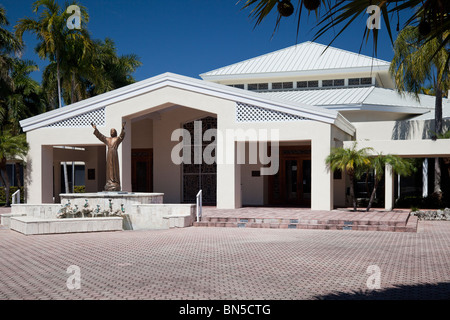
(83,120)
(249,113)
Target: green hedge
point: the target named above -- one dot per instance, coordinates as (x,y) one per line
(11,191)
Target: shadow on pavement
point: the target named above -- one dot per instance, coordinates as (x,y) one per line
(438,291)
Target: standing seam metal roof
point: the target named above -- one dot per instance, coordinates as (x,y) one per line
(301,57)
(353,96)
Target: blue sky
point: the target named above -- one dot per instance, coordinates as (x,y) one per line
(190,37)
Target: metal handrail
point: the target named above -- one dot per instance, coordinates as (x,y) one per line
(199,205)
(16,197)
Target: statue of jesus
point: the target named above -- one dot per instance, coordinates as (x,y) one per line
(112,158)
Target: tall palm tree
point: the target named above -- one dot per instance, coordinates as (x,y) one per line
(415,63)
(351,160)
(55,39)
(401,166)
(99,69)
(50,28)
(23,100)
(9,46)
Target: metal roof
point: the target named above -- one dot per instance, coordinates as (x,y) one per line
(362,96)
(306,56)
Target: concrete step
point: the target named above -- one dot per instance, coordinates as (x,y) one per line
(409,225)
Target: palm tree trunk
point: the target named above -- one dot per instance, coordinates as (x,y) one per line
(17,172)
(438,130)
(372,196)
(58,79)
(352,190)
(72,89)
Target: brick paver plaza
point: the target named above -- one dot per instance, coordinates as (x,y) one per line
(228,263)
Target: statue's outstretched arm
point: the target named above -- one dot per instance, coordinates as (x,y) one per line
(97,133)
(122,133)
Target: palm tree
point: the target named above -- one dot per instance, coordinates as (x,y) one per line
(23,99)
(351,160)
(378,164)
(55,39)
(9,46)
(415,63)
(51,30)
(12,147)
(99,69)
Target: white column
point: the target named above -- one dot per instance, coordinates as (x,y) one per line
(39,182)
(321,177)
(425,178)
(389,188)
(57,180)
(228,174)
(125,175)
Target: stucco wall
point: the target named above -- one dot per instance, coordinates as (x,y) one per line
(172,107)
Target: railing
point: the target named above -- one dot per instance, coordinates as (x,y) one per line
(199,205)
(16,197)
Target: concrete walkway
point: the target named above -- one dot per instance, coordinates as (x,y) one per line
(228,263)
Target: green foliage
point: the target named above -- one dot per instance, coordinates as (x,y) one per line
(80,189)
(356,162)
(11,192)
(79,67)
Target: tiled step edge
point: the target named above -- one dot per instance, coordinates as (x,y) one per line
(410,227)
(392,223)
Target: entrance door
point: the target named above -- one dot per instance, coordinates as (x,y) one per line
(142,170)
(292,184)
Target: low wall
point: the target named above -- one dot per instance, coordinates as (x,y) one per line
(32,226)
(159,216)
(42,211)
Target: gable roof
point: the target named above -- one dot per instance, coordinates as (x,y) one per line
(189,84)
(301,58)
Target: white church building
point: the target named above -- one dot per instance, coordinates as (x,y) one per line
(275,118)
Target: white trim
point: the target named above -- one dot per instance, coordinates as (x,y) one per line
(324,73)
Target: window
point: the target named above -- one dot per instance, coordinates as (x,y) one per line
(240,86)
(282,85)
(287,85)
(302,84)
(313,84)
(338,82)
(353,82)
(252,86)
(327,83)
(258,86)
(366,80)
(277,85)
